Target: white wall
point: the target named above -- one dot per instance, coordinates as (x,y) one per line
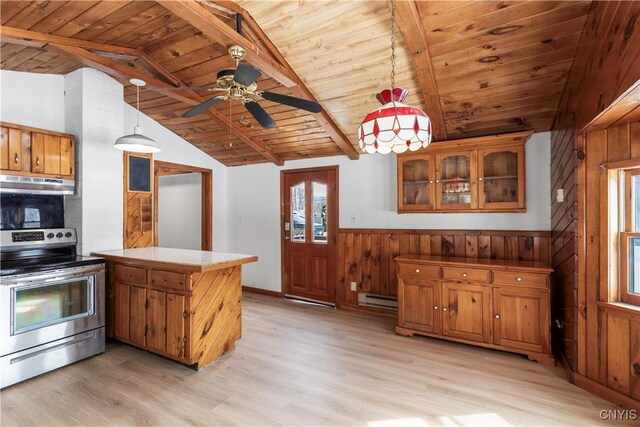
(35,100)
(367,189)
(177,150)
(180,211)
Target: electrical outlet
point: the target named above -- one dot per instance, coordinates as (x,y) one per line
(354,286)
(560,195)
(353,219)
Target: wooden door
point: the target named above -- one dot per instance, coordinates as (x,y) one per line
(466,311)
(157,320)
(456,188)
(37,152)
(16,153)
(521,319)
(501,180)
(416,183)
(175,325)
(419,304)
(122,308)
(137,315)
(309,231)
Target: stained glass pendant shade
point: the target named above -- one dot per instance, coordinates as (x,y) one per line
(395,126)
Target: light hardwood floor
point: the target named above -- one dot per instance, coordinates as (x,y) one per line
(300,364)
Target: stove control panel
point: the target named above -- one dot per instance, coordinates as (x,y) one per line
(27,236)
(37,237)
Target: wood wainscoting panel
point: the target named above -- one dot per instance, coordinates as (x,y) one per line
(366,256)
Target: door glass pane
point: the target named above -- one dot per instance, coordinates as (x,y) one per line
(319,191)
(500,176)
(416,182)
(634,265)
(37,307)
(298,212)
(455,180)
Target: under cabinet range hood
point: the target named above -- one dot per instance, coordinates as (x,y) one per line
(37,185)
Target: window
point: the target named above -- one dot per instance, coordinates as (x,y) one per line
(630,236)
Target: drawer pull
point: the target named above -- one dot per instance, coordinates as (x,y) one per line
(444,309)
(518,279)
(464,274)
(435,307)
(417,270)
(497,316)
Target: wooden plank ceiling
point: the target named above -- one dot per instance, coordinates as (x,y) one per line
(484,66)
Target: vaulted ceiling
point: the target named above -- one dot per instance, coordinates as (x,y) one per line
(476,67)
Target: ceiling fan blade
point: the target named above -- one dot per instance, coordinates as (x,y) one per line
(259,114)
(246,74)
(208,88)
(302,104)
(204,106)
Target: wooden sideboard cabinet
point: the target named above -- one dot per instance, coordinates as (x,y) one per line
(476,174)
(36,152)
(497,304)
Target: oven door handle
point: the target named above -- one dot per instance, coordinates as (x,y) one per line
(52,276)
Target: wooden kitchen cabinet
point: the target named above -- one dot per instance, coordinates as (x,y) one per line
(491,303)
(419,304)
(36,152)
(477,174)
(466,311)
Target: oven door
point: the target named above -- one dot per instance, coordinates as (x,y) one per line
(39,308)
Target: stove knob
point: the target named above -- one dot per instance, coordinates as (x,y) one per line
(50,236)
(59,235)
(68,234)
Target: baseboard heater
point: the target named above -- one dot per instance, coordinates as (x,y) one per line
(384,302)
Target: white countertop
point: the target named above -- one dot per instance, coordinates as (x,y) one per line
(200,260)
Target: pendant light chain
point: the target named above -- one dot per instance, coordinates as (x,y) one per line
(137,105)
(393,44)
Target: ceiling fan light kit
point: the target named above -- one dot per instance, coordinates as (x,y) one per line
(240,84)
(137,142)
(394,127)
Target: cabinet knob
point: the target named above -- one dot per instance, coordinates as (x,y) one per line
(435,307)
(480,179)
(518,279)
(444,309)
(497,316)
(431,182)
(464,274)
(16,159)
(417,270)
(37,161)
(437,180)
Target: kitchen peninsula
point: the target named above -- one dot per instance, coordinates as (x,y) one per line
(179,303)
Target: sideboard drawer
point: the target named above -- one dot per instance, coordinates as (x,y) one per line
(133,275)
(419,270)
(167,279)
(523,279)
(468,274)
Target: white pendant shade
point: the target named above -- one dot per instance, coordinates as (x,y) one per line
(137,143)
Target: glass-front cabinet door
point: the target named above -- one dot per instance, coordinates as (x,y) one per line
(416,186)
(456,179)
(501,178)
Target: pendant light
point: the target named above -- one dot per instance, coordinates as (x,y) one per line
(395,126)
(137,142)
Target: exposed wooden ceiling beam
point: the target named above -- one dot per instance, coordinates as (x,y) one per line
(213,27)
(324,118)
(36,39)
(415,38)
(186,96)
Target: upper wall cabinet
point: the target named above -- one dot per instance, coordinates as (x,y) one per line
(478,174)
(36,152)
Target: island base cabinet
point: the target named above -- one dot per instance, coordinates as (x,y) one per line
(520,319)
(194,325)
(482,306)
(466,311)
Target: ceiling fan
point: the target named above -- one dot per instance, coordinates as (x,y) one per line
(239,84)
